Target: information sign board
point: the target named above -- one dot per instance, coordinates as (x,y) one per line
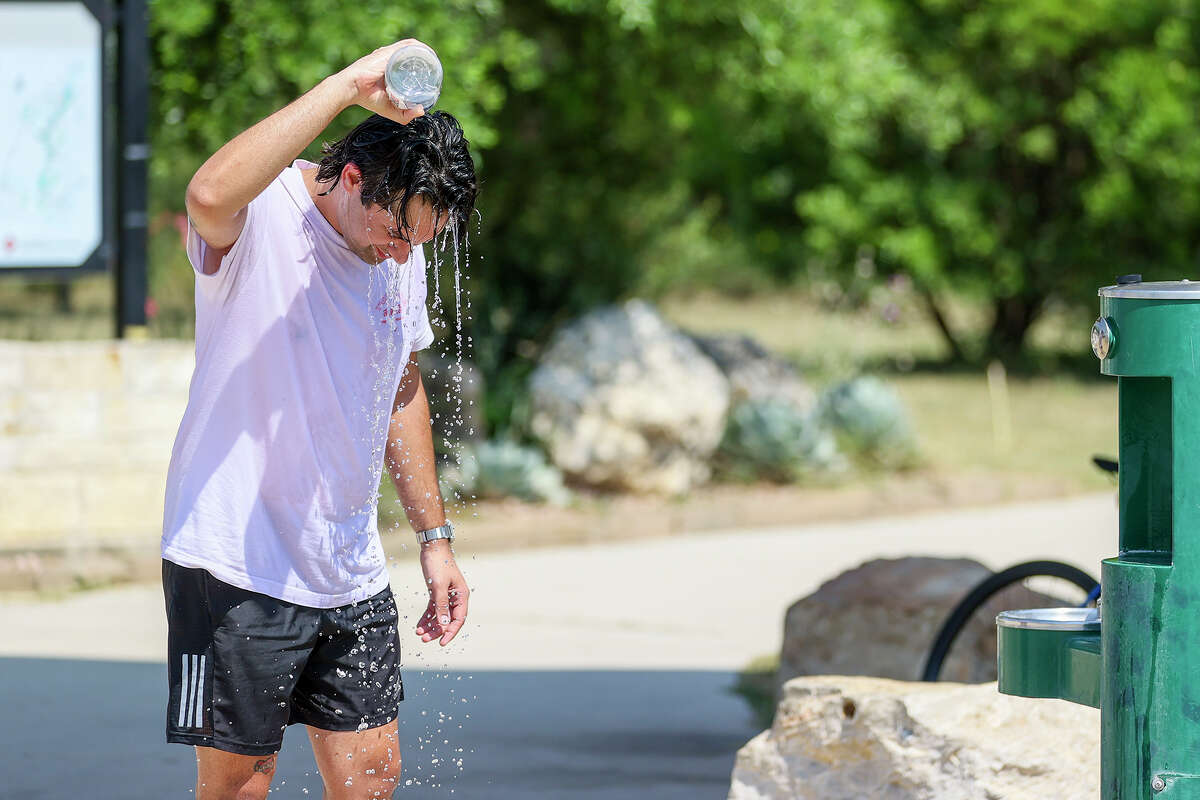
(52,137)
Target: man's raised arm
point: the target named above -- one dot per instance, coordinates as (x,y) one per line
(221,189)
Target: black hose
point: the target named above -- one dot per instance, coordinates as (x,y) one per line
(983,592)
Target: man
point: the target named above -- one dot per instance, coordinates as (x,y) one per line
(310,297)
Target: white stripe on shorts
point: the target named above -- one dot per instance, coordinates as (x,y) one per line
(185,689)
(197,709)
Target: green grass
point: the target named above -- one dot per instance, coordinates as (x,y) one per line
(756,685)
(1057,425)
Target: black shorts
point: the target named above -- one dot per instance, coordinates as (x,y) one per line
(243,666)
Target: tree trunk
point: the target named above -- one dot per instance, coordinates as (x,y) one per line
(935,311)
(1011,320)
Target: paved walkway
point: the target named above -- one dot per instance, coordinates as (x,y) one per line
(588,672)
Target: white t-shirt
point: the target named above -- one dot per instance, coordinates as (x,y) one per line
(299,351)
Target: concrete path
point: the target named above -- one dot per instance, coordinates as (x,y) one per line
(588,672)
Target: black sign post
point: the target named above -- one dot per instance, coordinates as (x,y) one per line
(133,74)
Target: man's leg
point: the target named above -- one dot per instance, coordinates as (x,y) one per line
(358,765)
(229,776)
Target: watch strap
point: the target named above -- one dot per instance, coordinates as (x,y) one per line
(433,534)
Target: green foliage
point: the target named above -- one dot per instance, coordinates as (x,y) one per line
(590,192)
(1022,151)
(756,685)
(606,135)
(871,422)
(1018,152)
(778,442)
(863,418)
(220,66)
(498,469)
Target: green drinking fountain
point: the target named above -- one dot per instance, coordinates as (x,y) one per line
(1137,658)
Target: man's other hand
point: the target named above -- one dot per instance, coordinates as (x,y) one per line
(448,594)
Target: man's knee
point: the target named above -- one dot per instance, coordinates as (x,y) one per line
(227,777)
(374,782)
(382,779)
(253,789)
(391,767)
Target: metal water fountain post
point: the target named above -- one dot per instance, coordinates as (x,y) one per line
(1138,660)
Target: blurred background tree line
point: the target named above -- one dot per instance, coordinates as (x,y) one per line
(1018,154)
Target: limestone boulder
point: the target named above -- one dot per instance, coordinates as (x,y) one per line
(624,400)
(891,740)
(754,373)
(881,618)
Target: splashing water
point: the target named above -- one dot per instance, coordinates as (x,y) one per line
(388,284)
(451,430)
(388,289)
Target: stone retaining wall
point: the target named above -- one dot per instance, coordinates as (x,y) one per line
(86,430)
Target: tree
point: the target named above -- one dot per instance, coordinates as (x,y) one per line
(220,66)
(1016,150)
(587,118)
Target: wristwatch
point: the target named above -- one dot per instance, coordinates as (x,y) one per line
(441,532)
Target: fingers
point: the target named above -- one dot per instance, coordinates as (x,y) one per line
(382,105)
(431,625)
(428,624)
(445,615)
(401,115)
(458,615)
(407,115)
(442,606)
(436,618)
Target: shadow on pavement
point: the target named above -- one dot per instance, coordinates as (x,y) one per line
(95,729)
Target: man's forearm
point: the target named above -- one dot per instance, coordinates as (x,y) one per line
(243,167)
(410,458)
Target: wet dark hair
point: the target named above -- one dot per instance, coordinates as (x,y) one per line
(426,158)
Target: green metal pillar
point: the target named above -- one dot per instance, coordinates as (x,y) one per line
(1150,634)
(1143,666)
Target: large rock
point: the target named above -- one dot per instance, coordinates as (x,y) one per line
(754,374)
(624,400)
(888,740)
(881,618)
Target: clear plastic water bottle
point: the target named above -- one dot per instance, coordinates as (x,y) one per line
(414,77)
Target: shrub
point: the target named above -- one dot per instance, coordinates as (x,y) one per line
(871,421)
(497,469)
(775,440)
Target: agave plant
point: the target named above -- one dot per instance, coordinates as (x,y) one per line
(870,420)
(503,469)
(775,440)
